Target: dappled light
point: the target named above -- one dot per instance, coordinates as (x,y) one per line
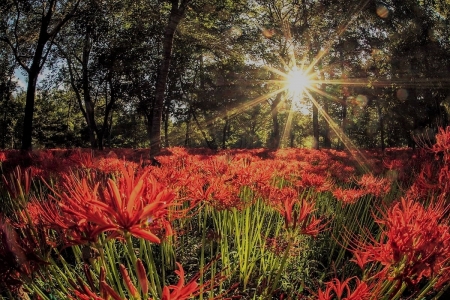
(202,149)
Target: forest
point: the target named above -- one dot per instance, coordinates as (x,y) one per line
(202,73)
(224,149)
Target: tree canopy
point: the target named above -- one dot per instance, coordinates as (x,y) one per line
(203,73)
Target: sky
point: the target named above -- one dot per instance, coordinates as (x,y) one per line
(20,79)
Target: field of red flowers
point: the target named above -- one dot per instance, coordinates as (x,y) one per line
(231,224)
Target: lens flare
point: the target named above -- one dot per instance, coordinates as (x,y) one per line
(297,81)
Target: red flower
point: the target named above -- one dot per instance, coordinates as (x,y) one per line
(414,244)
(348,196)
(335,289)
(135,205)
(84,292)
(314,180)
(21,254)
(378,187)
(19,183)
(72,230)
(180,291)
(2,156)
(298,217)
(361,258)
(442,144)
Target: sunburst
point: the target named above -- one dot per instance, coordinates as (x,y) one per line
(297,81)
(301,83)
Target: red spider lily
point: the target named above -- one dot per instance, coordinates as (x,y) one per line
(83,159)
(199,188)
(298,217)
(442,144)
(443,280)
(335,289)
(348,196)
(378,187)
(142,276)
(414,243)
(72,231)
(180,291)
(84,292)
(19,183)
(218,192)
(226,195)
(276,196)
(2,156)
(361,258)
(432,180)
(135,205)
(426,181)
(319,182)
(20,255)
(112,164)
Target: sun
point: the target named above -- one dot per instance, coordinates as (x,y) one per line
(297,81)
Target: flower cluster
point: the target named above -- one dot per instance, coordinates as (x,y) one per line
(299,217)
(335,289)
(414,243)
(133,204)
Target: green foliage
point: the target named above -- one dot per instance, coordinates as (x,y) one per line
(381,67)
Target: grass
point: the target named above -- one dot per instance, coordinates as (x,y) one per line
(235,224)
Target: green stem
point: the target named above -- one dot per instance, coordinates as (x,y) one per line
(130,248)
(282,266)
(202,254)
(428,288)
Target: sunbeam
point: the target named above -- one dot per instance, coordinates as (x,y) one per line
(301,79)
(351,147)
(298,81)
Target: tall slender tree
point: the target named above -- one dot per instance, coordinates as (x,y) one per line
(177,12)
(29,28)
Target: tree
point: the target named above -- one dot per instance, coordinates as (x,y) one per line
(76,46)
(29,28)
(177,11)
(7,103)
(191,71)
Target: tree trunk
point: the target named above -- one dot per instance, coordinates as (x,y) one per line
(292,139)
(176,15)
(211,144)
(326,127)
(4,129)
(224,132)
(381,124)
(29,109)
(5,97)
(344,121)
(166,126)
(88,104)
(37,63)
(188,129)
(315,117)
(33,74)
(105,128)
(274,142)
